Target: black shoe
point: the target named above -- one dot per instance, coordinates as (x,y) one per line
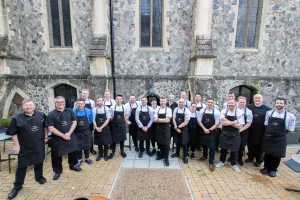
(229,159)
(192,156)
(174,155)
(141,154)
(264,171)
(56,176)
(153,151)
(272,173)
(257,164)
(185,160)
(99,157)
(248,160)
(106,157)
(136,148)
(75,168)
(240,162)
(167,163)
(123,154)
(111,155)
(14,192)
(217,150)
(93,151)
(159,157)
(41,180)
(158,153)
(149,154)
(188,154)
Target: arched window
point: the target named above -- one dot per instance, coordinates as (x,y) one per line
(67,91)
(245,91)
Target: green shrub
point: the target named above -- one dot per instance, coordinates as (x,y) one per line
(5,122)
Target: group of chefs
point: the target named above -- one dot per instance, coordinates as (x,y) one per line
(192,125)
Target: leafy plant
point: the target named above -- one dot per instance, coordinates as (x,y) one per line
(5,122)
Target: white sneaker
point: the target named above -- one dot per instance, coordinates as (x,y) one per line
(219,164)
(236,168)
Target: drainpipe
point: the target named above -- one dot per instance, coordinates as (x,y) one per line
(112,48)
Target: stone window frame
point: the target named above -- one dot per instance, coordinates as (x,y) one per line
(165,25)
(263,35)
(46,23)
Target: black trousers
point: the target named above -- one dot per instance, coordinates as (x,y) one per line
(164,150)
(184,147)
(86,154)
(114,145)
(255,151)
(57,161)
(271,162)
(233,156)
(211,153)
(142,147)
(103,149)
(21,173)
(153,142)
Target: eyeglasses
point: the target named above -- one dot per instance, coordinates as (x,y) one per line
(60,102)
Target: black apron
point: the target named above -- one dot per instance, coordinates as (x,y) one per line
(244,134)
(181,138)
(104,137)
(144,119)
(162,134)
(60,146)
(83,132)
(133,127)
(208,121)
(109,124)
(88,105)
(154,127)
(172,107)
(230,137)
(274,142)
(193,131)
(257,129)
(31,136)
(118,126)
(199,108)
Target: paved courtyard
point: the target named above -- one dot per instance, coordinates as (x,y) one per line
(99,179)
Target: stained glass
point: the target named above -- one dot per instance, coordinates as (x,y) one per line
(67,22)
(241,24)
(145,9)
(157,24)
(252,25)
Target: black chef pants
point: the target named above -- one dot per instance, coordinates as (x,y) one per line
(271,162)
(57,161)
(103,149)
(211,153)
(255,151)
(86,154)
(21,173)
(233,156)
(164,150)
(133,128)
(142,148)
(114,146)
(184,147)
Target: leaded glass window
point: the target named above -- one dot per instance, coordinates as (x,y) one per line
(60,23)
(151,23)
(248,23)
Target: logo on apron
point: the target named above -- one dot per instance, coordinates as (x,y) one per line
(64,123)
(100,120)
(34,128)
(144,117)
(255,115)
(180,120)
(118,117)
(207,120)
(80,123)
(275,124)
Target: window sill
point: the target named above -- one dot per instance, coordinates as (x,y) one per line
(150,49)
(60,49)
(241,50)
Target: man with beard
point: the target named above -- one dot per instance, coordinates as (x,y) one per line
(29,135)
(119,114)
(144,119)
(230,139)
(132,105)
(279,122)
(256,130)
(171,104)
(162,117)
(198,102)
(181,118)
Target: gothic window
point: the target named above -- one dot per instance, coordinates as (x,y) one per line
(59,23)
(151,23)
(248,23)
(245,91)
(67,91)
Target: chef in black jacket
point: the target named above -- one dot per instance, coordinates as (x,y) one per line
(256,130)
(132,105)
(62,123)
(279,122)
(29,135)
